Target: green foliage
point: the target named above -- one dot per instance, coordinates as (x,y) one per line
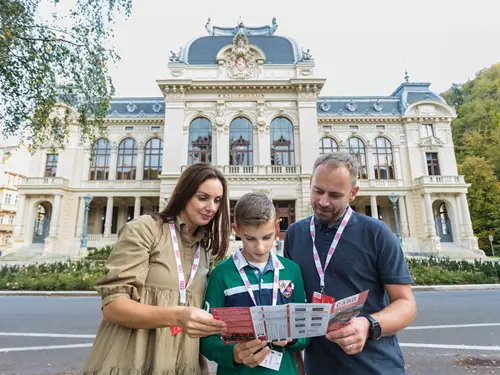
(476,134)
(49,63)
(100,254)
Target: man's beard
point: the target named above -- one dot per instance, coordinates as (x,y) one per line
(330,216)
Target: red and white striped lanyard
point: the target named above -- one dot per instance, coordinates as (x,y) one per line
(240,263)
(333,246)
(194,268)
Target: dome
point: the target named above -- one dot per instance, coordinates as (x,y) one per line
(277,49)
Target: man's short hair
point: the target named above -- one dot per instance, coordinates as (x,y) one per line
(339,159)
(254,209)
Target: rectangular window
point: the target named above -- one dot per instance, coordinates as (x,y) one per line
(129,128)
(11,220)
(1,219)
(432,164)
(155,128)
(51,165)
(8,198)
(380,127)
(327,127)
(353,127)
(427,130)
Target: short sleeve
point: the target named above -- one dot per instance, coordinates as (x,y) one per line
(391,263)
(127,267)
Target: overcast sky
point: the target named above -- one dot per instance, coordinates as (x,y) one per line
(361,47)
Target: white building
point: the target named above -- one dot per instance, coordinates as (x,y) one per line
(248,101)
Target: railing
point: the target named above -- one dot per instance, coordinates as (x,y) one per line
(380,183)
(122,184)
(283,169)
(263,170)
(443,180)
(7,207)
(99,237)
(46,181)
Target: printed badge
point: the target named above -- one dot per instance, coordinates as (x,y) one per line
(286,288)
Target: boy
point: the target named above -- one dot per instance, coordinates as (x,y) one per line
(255,222)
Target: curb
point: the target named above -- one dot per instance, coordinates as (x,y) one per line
(89,293)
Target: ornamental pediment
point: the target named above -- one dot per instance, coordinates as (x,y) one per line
(431,143)
(240,58)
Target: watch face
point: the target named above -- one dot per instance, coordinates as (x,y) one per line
(375,330)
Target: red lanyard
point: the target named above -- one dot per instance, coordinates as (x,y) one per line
(240,262)
(333,246)
(194,268)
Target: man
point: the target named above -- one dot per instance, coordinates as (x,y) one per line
(366,256)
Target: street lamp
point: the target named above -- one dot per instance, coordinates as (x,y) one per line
(87,199)
(394,199)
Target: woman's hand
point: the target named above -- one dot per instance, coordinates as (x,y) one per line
(196,322)
(244,353)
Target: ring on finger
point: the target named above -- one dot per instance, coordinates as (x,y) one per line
(350,347)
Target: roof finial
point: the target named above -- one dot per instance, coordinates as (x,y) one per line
(407,77)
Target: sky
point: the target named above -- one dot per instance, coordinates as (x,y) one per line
(362,47)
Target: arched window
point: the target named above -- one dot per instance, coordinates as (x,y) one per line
(356,147)
(327,145)
(282,145)
(99,165)
(153,156)
(127,160)
(200,141)
(240,142)
(383,159)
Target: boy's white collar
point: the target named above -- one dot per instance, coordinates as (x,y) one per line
(241,262)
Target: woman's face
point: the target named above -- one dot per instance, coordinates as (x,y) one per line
(204,204)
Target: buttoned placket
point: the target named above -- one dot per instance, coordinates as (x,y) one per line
(260,275)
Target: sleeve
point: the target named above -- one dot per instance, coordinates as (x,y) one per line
(299,296)
(391,263)
(213,347)
(127,267)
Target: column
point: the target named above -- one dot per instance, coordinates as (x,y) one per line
(398,171)
(175,142)
(466,215)
(221,156)
(112,163)
(370,163)
(109,218)
(308,130)
(19,220)
(373,204)
(405,232)
(81,217)
(54,220)
(429,223)
(263,150)
(139,171)
(137,207)
(86,164)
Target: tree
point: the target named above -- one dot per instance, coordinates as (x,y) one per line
(56,65)
(483,197)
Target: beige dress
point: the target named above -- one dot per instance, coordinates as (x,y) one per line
(142,267)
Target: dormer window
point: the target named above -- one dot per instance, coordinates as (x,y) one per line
(427,130)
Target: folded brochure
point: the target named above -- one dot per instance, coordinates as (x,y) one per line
(287,322)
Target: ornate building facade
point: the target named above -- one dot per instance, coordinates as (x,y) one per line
(248,101)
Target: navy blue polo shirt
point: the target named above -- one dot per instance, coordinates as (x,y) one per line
(367,257)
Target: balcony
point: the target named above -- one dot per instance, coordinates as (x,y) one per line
(439,180)
(7,207)
(45,181)
(380,183)
(262,170)
(122,184)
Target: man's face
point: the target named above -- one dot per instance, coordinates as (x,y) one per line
(331,192)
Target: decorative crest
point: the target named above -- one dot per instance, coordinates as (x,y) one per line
(267,30)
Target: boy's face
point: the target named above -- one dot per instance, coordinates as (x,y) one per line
(258,240)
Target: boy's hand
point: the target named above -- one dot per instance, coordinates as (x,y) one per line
(281,343)
(244,353)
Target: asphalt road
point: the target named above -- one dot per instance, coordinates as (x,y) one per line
(454,333)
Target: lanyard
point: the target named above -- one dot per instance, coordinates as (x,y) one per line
(194,268)
(333,246)
(238,257)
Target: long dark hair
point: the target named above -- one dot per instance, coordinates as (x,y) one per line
(219,228)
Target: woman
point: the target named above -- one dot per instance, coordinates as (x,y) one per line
(155,279)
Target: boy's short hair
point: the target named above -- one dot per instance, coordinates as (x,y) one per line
(254,209)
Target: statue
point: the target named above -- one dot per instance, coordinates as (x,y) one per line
(220,116)
(208,27)
(306,55)
(175,57)
(274,26)
(261,115)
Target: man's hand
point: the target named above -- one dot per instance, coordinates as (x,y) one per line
(281,343)
(244,353)
(352,337)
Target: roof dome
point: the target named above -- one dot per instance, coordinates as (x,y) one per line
(277,49)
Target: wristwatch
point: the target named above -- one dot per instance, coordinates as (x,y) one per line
(375,331)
